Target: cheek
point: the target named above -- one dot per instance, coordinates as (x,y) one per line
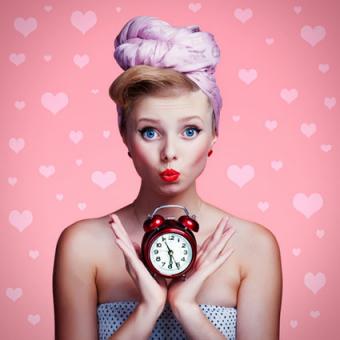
(143,157)
(198,159)
(198,153)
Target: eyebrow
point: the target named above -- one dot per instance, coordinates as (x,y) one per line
(157,120)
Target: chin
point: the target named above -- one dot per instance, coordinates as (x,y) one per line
(172,189)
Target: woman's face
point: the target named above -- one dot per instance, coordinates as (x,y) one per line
(162,130)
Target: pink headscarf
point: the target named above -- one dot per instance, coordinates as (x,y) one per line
(146,40)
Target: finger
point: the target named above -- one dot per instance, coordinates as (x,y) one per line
(124,247)
(204,245)
(204,248)
(214,265)
(137,248)
(213,239)
(133,265)
(225,254)
(223,242)
(130,269)
(210,255)
(130,254)
(119,236)
(202,253)
(221,228)
(116,221)
(121,232)
(222,225)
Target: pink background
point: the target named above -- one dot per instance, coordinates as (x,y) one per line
(276,161)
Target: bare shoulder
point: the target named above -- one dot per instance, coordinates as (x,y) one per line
(85,238)
(91,234)
(254,234)
(84,231)
(253,241)
(74,285)
(257,244)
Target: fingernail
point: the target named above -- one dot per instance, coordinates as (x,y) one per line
(112,219)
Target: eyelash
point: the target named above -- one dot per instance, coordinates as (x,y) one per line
(141,131)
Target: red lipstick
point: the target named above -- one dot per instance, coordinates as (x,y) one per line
(169,175)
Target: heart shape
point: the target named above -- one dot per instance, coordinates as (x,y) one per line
(14,293)
(308,129)
(289,95)
(103,180)
(54,103)
(315,282)
(47,170)
(240,175)
(16,144)
(83,21)
(243,15)
(247,75)
(25,26)
(195,7)
(313,35)
(307,205)
(17,58)
(20,220)
(330,102)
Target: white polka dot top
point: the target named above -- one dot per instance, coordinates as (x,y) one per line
(112,315)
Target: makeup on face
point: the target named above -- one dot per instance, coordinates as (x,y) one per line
(169,175)
(176,129)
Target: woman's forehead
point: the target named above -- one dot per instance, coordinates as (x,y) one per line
(180,106)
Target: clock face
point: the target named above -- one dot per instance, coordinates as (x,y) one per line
(170,253)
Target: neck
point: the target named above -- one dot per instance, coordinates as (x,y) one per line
(148,200)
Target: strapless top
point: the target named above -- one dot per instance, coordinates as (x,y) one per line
(112,315)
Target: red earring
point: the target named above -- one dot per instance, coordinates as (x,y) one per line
(210,152)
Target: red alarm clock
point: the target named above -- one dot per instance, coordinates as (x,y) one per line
(169,246)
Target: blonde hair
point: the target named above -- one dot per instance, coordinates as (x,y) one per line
(142,80)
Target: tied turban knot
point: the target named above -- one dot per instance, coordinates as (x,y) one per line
(146,40)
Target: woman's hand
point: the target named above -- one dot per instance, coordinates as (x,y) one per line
(153,291)
(211,255)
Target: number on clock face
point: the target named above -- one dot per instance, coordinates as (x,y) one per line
(170,253)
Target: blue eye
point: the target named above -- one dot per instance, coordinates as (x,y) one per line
(149,132)
(193,129)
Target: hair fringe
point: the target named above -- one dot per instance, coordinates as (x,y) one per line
(142,80)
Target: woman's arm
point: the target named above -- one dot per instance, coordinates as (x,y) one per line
(139,324)
(260,293)
(195,323)
(153,293)
(74,289)
(182,294)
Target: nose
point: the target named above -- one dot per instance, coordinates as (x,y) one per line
(168,152)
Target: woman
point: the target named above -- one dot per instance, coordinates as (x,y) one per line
(168,113)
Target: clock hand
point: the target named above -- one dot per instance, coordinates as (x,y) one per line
(170,252)
(170,259)
(167,246)
(177,263)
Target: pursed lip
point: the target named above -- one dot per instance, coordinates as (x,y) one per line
(169,172)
